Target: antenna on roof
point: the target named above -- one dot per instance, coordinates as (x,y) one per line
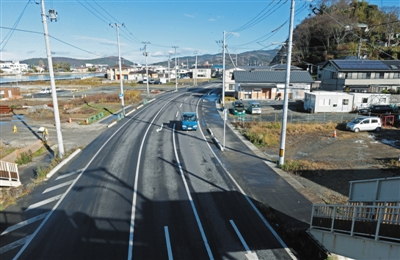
(53,15)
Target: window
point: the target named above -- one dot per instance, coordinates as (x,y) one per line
(368,75)
(381,75)
(231,86)
(345,102)
(374,121)
(396,75)
(364,100)
(366,121)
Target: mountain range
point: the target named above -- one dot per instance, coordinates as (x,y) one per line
(259,57)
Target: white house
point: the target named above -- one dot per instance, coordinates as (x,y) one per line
(13,67)
(331,101)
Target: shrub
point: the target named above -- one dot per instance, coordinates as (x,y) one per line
(24,158)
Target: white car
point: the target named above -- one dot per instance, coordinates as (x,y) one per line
(365,123)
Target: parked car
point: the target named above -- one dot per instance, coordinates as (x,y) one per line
(377,109)
(365,123)
(151,81)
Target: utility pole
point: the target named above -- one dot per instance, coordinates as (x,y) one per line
(145,53)
(176,70)
(287,82)
(223,72)
(195,69)
(121,95)
(53,85)
(169,71)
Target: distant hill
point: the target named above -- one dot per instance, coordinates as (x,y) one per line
(109,61)
(246,58)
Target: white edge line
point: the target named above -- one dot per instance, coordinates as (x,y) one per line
(68,174)
(55,169)
(139,106)
(246,247)
(203,235)
(135,185)
(247,198)
(168,242)
(177,113)
(31,237)
(24,223)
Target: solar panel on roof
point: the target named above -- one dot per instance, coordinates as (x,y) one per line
(361,64)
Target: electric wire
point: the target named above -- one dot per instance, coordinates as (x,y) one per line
(11,32)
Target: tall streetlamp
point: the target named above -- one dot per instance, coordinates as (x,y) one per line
(169,71)
(176,70)
(121,95)
(287,82)
(52,84)
(195,69)
(145,53)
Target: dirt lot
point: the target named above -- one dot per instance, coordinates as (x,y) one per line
(337,161)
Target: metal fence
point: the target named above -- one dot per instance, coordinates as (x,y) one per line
(377,222)
(296,117)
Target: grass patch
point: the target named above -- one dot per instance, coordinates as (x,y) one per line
(39,152)
(5,150)
(24,158)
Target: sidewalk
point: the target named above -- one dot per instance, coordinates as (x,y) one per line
(260,178)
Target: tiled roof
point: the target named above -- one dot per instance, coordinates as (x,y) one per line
(271,77)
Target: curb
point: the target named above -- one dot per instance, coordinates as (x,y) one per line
(55,169)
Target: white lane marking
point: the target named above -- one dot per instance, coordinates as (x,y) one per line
(135,185)
(43,202)
(180,105)
(58,186)
(13,245)
(159,129)
(185,99)
(177,113)
(249,254)
(24,223)
(168,241)
(70,187)
(266,223)
(203,235)
(68,174)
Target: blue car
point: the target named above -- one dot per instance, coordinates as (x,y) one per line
(189,121)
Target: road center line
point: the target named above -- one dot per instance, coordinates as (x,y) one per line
(240,236)
(43,202)
(24,223)
(57,186)
(168,241)
(203,235)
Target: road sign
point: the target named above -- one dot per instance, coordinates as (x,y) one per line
(121,95)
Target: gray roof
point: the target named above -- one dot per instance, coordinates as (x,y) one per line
(271,77)
(364,65)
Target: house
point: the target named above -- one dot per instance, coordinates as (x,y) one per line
(13,67)
(203,72)
(9,92)
(270,84)
(360,75)
(339,101)
(113,72)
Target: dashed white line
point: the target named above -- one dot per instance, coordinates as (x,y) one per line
(43,202)
(168,241)
(58,186)
(203,235)
(24,223)
(177,113)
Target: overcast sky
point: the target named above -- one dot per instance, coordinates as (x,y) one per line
(83,30)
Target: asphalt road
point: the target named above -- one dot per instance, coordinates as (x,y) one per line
(145,189)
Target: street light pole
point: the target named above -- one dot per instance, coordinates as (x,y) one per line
(145,53)
(169,71)
(195,69)
(287,82)
(121,95)
(176,70)
(53,85)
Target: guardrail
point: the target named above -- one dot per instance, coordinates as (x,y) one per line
(94,118)
(9,175)
(377,222)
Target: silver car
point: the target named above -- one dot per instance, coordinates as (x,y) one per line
(365,123)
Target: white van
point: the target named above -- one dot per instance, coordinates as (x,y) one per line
(254,108)
(365,123)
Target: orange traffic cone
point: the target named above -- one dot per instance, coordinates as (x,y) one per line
(334,134)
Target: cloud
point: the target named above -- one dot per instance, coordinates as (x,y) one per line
(211,20)
(190,15)
(158,54)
